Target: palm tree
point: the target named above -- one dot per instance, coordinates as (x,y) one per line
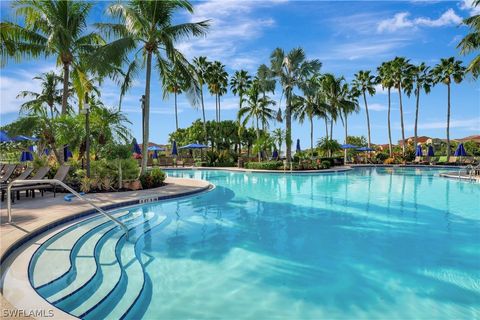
(291,69)
(173,83)
(445,72)
(365,82)
(420,79)
(266,80)
(200,67)
(349,104)
(278,136)
(471,42)
(240,83)
(385,78)
(307,106)
(217,79)
(146,28)
(400,71)
(51,28)
(258,109)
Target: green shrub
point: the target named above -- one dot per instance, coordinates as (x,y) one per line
(152,179)
(326,164)
(267,165)
(381,157)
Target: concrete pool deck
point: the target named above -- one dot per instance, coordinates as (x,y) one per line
(30,216)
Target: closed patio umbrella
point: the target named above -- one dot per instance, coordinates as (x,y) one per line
(67,153)
(136,147)
(174,149)
(460,152)
(430,152)
(27,155)
(275,154)
(418,151)
(298,146)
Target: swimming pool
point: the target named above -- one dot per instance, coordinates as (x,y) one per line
(369,243)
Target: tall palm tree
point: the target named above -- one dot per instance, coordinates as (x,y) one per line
(364,82)
(471,42)
(51,28)
(306,106)
(217,79)
(200,67)
(256,108)
(385,78)
(278,136)
(420,79)
(445,72)
(291,69)
(400,71)
(147,30)
(348,105)
(239,84)
(173,83)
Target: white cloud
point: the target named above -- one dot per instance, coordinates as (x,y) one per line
(467,124)
(402,21)
(377,107)
(371,49)
(232,25)
(467,5)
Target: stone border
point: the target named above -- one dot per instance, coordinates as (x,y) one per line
(234,169)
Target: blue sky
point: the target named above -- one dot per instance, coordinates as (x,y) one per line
(345,36)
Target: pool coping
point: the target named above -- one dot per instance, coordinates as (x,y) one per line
(235,169)
(20,238)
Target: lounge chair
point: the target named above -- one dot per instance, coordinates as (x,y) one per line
(7,173)
(180,163)
(61,175)
(169,162)
(39,175)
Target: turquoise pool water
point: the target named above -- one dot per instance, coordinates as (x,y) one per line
(370,243)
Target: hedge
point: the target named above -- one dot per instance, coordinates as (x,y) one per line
(267,165)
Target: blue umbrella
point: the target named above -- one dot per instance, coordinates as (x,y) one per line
(430,152)
(460,152)
(365,149)
(193,146)
(348,146)
(174,149)
(155,154)
(275,154)
(155,148)
(298,146)
(46,151)
(4,137)
(24,138)
(67,153)
(27,155)
(418,151)
(136,147)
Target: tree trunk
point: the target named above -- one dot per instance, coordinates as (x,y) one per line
(219,119)
(176,113)
(389,128)
(368,118)
(146,113)
(203,114)
(258,140)
(346,138)
(401,119)
(311,137)
(288,133)
(416,117)
(331,129)
(66,77)
(326,129)
(448,123)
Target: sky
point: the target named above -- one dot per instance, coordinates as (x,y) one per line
(346,36)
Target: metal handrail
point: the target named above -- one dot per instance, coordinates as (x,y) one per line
(57,182)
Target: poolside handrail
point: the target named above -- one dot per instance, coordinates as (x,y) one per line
(58,182)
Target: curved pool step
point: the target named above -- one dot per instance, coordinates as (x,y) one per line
(59,248)
(83,266)
(132,280)
(107,275)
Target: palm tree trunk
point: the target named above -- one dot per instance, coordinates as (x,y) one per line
(401,119)
(346,137)
(203,112)
(176,112)
(326,129)
(288,133)
(66,77)
(448,123)
(368,118)
(416,117)
(311,137)
(258,140)
(331,129)
(389,128)
(146,113)
(219,108)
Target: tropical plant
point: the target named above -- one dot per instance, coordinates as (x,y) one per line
(256,108)
(217,79)
(445,72)
(291,69)
(239,84)
(174,82)
(200,65)
(364,82)
(51,27)
(385,78)
(278,136)
(146,28)
(328,146)
(471,42)
(400,71)
(420,78)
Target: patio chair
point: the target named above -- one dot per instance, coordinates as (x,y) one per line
(150,162)
(61,175)
(39,175)
(7,173)
(180,163)
(169,162)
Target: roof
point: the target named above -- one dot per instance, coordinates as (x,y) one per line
(475,138)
